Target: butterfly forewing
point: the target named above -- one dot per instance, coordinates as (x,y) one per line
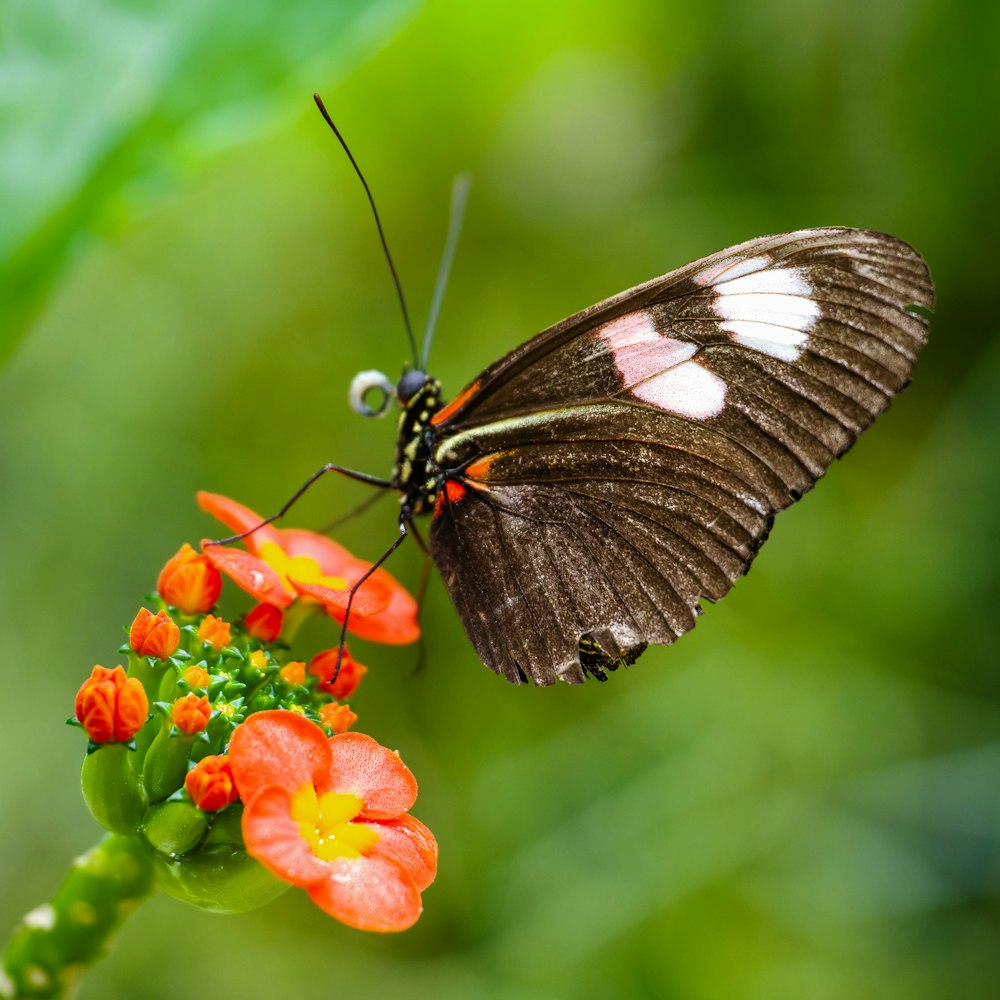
(626,463)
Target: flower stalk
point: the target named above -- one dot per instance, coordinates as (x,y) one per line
(57,940)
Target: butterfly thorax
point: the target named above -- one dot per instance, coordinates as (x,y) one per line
(416,475)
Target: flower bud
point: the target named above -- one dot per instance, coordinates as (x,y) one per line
(190,714)
(264,622)
(196,677)
(154,635)
(215,632)
(337,717)
(293,673)
(324,666)
(189,582)
(111,706)
(210,784)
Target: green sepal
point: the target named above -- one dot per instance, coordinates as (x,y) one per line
(221,877)
(232,653)
(111,788)
(175,827)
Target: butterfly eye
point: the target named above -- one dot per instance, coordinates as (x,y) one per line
(366,383)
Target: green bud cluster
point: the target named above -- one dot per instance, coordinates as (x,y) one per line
(137,789)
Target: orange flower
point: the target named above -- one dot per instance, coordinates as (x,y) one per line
(154,635)
(190,713)
(210,784)
(337,717)
(264,622)
(112,706)
(285,564)
(196,677)
(215,632)
(189,582)
(324,666)
(294,672)
(332,816)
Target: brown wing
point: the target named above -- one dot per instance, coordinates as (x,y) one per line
(626,463)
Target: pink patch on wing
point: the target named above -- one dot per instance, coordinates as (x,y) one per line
(659,370)
(640,352)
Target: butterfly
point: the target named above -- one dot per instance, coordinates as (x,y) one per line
(591,488)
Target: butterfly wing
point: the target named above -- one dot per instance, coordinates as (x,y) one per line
(626,463)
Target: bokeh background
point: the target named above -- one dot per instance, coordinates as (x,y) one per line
(798,800)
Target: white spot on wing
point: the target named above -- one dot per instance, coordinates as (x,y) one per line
(776,280)
(731,267)
(688,390)
(768,311)
(793,310)
(778,341)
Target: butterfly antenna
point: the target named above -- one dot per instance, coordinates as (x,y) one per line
(459,197)
(378,223)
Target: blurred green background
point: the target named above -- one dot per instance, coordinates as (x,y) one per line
(798,800)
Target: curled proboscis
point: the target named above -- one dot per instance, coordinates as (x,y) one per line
(366,383)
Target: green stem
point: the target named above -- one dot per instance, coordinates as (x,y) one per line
(57,940)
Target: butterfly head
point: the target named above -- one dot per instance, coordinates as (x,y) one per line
(372,391)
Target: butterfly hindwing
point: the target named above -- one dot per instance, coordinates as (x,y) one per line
(623,465)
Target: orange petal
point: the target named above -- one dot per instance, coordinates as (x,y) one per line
(375,774)
(277,748)
(237,517)
(371,894)
(251,574)
(370,598)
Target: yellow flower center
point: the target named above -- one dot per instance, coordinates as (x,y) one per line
(302,568)
(326,824)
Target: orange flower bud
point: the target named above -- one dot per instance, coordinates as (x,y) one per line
(112,706)
(294,672)
(190,714)
(196,677)
(264,622)
(189,582)
(337,717)
(154,635)
(215,632)
(324,665)
(210,784)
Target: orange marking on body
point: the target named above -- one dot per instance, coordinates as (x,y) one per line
(453,491)
(456,404)
(481,467)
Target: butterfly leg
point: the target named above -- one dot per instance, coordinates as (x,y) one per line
(403,532)
(361,477)
(425,575)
